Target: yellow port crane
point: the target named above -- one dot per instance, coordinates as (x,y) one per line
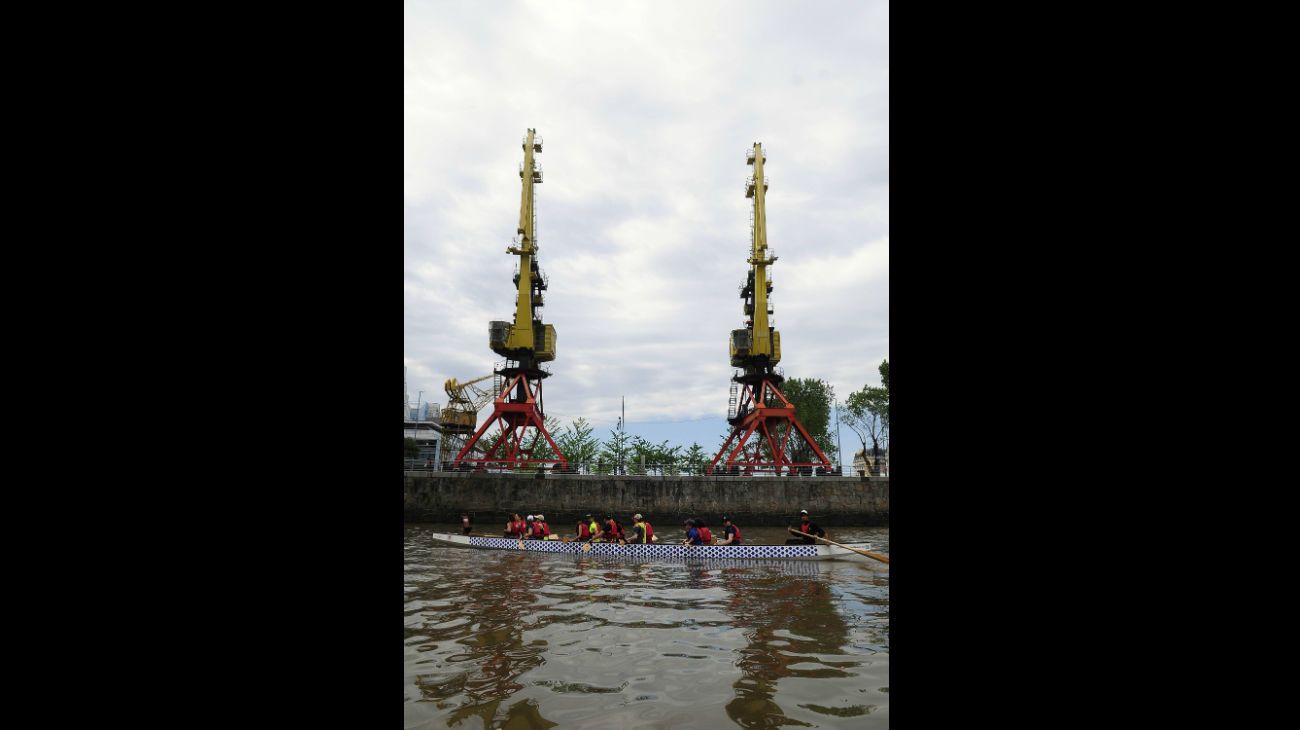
(525,343)
(464,400)
(764,429)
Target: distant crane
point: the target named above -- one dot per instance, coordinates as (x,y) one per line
(763,412)
(525,343)
(464,401)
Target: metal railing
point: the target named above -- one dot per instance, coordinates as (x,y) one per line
(674,469)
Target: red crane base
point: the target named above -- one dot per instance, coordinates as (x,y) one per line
(770,426)
(507,450)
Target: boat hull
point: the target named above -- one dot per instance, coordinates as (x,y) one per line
(655,551)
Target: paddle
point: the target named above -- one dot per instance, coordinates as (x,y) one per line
(877,556)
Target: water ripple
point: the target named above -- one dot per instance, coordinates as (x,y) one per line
(503,640)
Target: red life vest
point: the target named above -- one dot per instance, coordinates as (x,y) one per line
(736,536)
(705,535)
(537,530)
(546,530)
(649,531)
(584,530)
(613,530)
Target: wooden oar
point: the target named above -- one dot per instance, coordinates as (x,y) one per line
(882,558)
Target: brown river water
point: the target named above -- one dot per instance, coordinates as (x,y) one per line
(499,639)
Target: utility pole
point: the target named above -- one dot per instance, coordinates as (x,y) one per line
(838,443)
(416,419)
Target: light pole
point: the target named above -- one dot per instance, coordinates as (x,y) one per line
(621,444)
(839,445)
(416,420)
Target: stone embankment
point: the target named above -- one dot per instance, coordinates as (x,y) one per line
(490,498)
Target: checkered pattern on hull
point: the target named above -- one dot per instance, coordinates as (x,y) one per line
(731,552)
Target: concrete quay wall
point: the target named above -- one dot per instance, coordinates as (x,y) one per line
(490,498)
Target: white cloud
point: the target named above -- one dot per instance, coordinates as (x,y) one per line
(646,110)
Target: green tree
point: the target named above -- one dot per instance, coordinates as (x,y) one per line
(812,399)
(659,455)
(411,449)
(668,456)
(694,460)
(867,413)
(642,455)
(577,444)
(614,453)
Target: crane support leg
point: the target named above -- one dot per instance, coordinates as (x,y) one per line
(516,410)
(772,429)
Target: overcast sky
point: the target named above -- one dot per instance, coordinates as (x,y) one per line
(646,110)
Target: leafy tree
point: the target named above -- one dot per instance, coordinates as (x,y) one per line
(812,399)
(659,455)
(577,444)
(614,453)
(668,456)
(642,453)
(411,449)
(695,459)
(867,413)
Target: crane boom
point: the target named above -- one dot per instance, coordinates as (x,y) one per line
(462,410)
(757,347)
(527,339)
(454,389)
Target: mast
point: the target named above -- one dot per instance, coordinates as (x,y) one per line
(757,347)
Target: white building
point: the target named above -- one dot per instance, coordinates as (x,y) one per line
(862,462)
(421,423)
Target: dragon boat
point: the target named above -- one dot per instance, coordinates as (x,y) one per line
(667,551)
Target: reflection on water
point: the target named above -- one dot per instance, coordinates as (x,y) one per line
(500,639)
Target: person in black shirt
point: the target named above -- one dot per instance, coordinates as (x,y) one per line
(730,533)
(809,528)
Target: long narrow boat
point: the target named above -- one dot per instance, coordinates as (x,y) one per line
(660,550)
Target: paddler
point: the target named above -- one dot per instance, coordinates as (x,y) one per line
(613,530)
(538,531)
(705,535)
(546,529)
(808,528)
(515,527)
(587,529)
(649,530)
(731,533)
(692,534)
(640,534)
